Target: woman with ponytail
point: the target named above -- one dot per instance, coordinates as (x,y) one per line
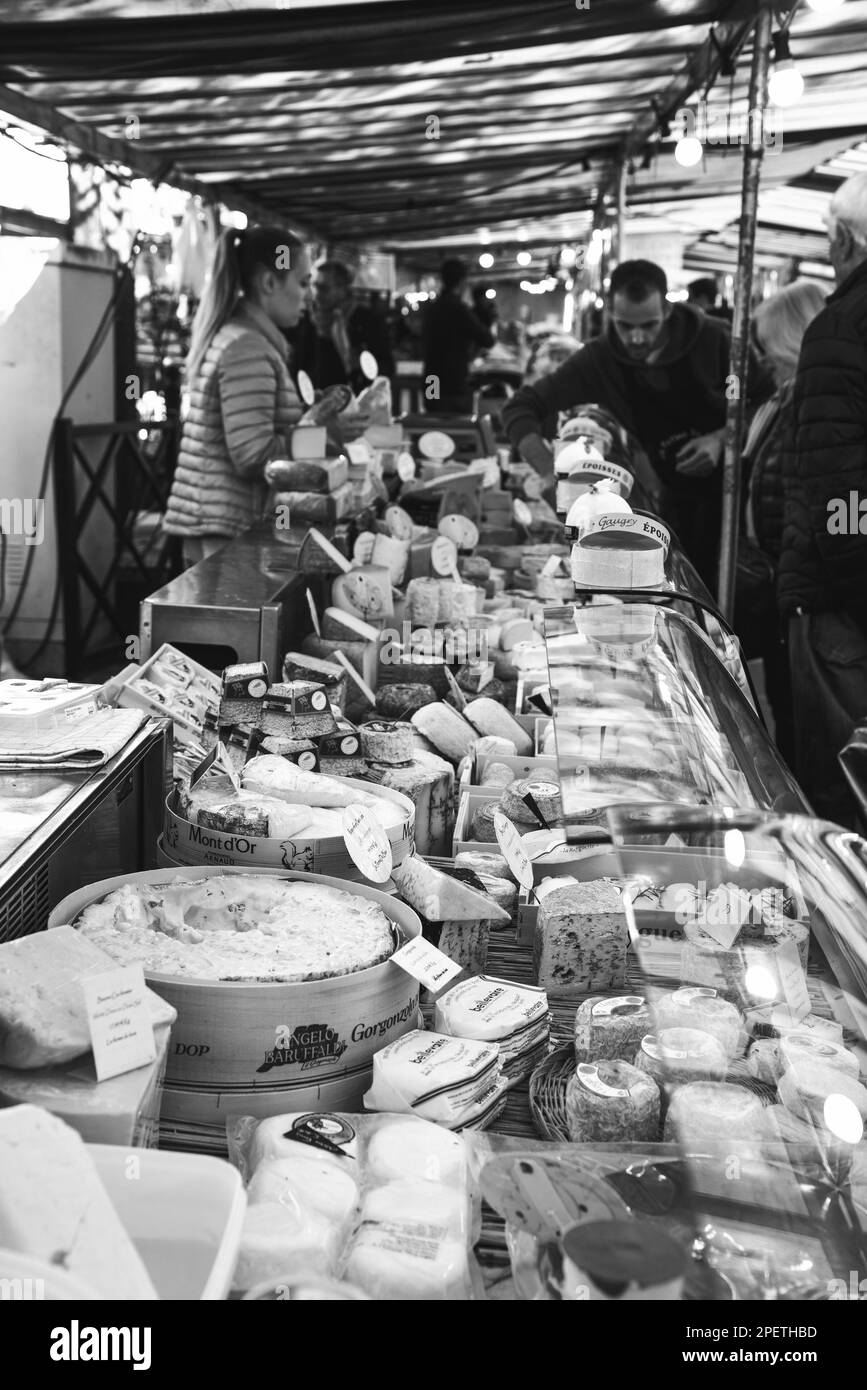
(242,402)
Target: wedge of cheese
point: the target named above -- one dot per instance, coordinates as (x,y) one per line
(43,1020)
(53,1206)
(441,898)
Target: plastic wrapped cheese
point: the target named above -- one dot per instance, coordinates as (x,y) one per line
(307,1177)
(701,1008)
(612,1101)
(622,1261)
(706,1112)
(611,1028)
(514,1016)
(408,1261)
(280,1239)
(405,1148)
(798,1048)
(746,971)
(433,1076)
(813,1091)
(677,1055)
(421,1203)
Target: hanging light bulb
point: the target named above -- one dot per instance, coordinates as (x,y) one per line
(524,258)
(786,85)
(689,151)
(486,260)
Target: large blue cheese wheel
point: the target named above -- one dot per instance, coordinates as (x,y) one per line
(612,1101)
(606,1028)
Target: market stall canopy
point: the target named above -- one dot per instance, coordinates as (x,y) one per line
(413,123)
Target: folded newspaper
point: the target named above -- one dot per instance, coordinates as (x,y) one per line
(80,747)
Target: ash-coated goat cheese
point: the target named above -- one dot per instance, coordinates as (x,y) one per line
(612,1101)
(611,1028)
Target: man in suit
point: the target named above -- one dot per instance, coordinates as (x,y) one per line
(331,338)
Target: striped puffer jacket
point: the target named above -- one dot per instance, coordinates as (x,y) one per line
(241,407)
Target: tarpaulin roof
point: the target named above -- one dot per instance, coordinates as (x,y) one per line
(413,123)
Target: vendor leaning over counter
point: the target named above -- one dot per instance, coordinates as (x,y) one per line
(241,398)
(662,370)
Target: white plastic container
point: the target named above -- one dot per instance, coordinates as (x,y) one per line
(184,1214)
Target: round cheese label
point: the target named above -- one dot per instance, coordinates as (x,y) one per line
(620,529)
(307,761)
(405,467)
(362,551)
(349,744)
(805,1042)
(443,556)
(588,1074)
(257,688)
(399,522)
(319,699)
(434,444)
(626,1004)
(522,512)
(305,388)
(369,365)
(367,844)
(459,529)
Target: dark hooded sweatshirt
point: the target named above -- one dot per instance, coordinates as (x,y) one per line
(664,404)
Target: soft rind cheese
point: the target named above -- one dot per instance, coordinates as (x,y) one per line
(611,1028)
(239,927)
(798,1048)
(704,1112)
(702,1009)
(449,733)
(612,1101)
(404,1147)
(493,720)
(677,1055)
(805,1089)
(53,1206)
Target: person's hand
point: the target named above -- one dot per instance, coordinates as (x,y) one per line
(539,454)
(699,457)
(349,426)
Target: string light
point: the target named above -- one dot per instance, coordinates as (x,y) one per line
(486,260)
(786,85)
(689,151)
(524,258)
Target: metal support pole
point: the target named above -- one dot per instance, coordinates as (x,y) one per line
(735,414)
(618,239)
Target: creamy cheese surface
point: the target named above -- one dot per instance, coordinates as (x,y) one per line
(240,927)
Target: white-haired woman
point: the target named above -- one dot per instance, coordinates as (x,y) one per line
(242,401)
(778,330)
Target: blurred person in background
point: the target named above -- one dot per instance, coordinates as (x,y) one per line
(241,399)
(330,338)
(703,294)
(663,371)
(778,330)
(485,309)
(451,335)
(823,562)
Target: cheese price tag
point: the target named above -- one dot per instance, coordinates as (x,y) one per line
(368,845)
(793,981)
(359,451)
(427,964)
(434,444)
(405,467)
(443,556)
(455,689)
(522,513)
(399,523)
(513,850)
(119,1019)
(363,549)
(461,530)
(313,614)
(369,365)
(305,388)
(551,566)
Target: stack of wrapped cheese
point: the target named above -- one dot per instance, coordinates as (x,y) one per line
(515,1017)
(455,1082)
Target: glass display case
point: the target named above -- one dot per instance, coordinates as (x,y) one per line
(643,710)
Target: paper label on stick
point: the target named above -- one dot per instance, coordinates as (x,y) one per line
(359,451)
(434,444)
(461,530)
(426,963)
(363,548)
(443,556)
(522,513)
(513,850)
(399,523)
(313,614)
(455,688)
(305,388)
(354,676)
(119,1019)
(792,979)
(405,467)
(551,566)
(369,365)
(368,845)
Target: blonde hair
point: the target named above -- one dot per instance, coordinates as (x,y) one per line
(849,206)
(237,257)
(782,320)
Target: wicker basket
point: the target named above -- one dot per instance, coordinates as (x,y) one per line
(548,1094)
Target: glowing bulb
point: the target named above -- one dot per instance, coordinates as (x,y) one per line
(786,85)
(760,982)
(689,151)
(486,260)
(490,294)
(484,236)
(522,235)
(843,1119)
(735,848)
(824,6)
(524,258)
